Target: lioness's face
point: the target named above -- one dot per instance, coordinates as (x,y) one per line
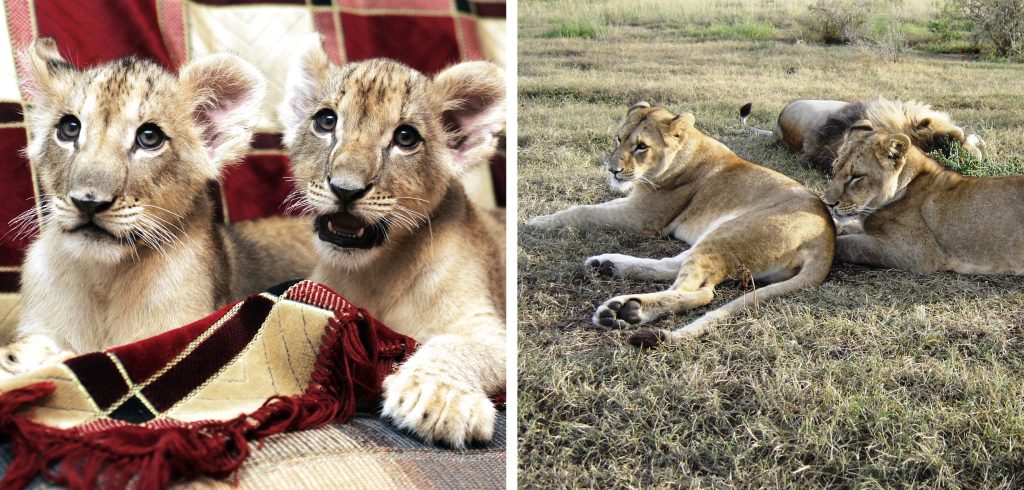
(645,146)
(866,172)
(374,146)
(119,155)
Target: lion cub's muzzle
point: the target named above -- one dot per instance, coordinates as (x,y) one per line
(346,230)
(89,206)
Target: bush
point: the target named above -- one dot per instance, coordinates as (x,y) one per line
(887,41)
(837,21)
(996,26)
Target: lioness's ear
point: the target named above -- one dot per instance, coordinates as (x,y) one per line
(302,88)
(896,146)
(44,66)
(473,110)
(681,124)
(227,93)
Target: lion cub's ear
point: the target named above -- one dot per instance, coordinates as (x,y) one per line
(473,110)
(45,68)
(227,93)
(681,124)
(896,146)
(306,77)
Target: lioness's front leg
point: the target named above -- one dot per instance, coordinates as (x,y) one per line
(612,215)
(874,251)
(441,392)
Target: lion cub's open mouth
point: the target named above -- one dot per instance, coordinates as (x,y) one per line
(347,231)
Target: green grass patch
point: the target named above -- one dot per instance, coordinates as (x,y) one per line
(962,162)
(743,31)
(576,29)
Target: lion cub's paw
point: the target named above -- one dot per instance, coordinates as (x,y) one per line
(620,312)
(438,409)
(545,222)
(29,353)
(849,226)
(603,265)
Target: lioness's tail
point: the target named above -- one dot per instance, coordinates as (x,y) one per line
(744,112)
(811,274)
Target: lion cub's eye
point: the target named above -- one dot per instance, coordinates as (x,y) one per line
(325,120)
(68,128)
(150,136)
(640,147)
(407,137)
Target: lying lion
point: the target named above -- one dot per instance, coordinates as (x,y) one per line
(816,127)
(918,215)
(741,219)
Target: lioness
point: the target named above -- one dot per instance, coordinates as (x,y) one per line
(738,217)
(815,128)
(920,216)
(128,246)
(378,149)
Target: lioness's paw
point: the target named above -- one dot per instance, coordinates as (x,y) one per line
(544,222)
(603,265)
(438,409)
(619,312)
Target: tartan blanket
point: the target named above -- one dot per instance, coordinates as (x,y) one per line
(188,402)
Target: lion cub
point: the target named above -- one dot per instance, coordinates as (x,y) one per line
(920,216)
(378,149)
(128,244)
(740,218)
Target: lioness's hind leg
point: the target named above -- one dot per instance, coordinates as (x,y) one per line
(626,267)
(694,286)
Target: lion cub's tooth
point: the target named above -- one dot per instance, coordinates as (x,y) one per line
(359,234)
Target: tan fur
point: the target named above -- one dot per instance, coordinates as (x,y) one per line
(919,216)
(162,259)
(815,127)
(738,216)
(439,274)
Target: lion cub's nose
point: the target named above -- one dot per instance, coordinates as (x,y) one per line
(90,205)
(349,195)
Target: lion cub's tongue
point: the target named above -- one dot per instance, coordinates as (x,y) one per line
(346,224)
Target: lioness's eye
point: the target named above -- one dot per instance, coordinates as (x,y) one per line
(641,147)
(150,136)
(325,120)
(68,128)
(406,136)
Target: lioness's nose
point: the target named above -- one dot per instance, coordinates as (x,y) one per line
(615,171)
(90,205)
(349,195)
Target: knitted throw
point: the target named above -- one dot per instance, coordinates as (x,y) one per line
(188,402)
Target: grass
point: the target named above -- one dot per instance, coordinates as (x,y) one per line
(876,379)
(580,29)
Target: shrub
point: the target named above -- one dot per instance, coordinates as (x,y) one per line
(997,26)
(837,21)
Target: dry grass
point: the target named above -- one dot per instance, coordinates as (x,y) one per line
(875,379)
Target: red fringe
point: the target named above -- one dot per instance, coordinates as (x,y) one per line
(355,355)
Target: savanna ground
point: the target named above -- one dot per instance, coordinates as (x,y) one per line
(877,378)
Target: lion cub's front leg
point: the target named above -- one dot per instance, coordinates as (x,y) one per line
(29,353)
(441,392)
(614,215)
